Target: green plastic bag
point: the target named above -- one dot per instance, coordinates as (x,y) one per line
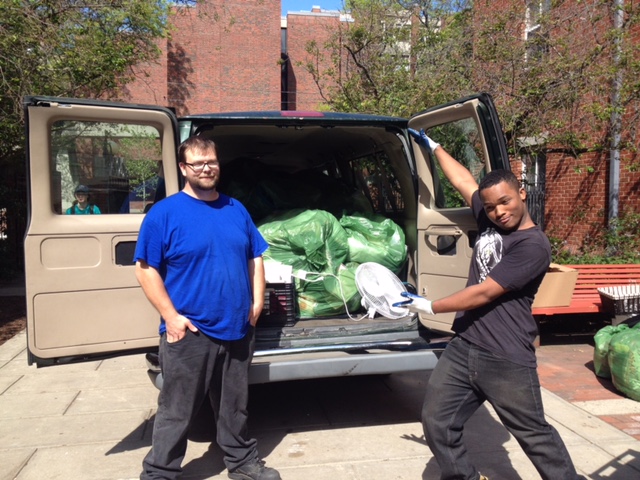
(602,340)
(624,362)
(330,295)
(375,238)
(308,240)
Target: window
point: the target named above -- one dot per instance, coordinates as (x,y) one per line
(534,166)
(380,185)
(119,166)
(535,38)
(463,141)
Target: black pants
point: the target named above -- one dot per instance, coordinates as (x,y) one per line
(465,377)
(191,368)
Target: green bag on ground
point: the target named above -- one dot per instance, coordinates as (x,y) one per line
(602,340)
(374,238)
(624,362)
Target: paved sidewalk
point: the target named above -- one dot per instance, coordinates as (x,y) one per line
(567,370)
(92,421)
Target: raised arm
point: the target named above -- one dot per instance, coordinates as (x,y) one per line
(456,173)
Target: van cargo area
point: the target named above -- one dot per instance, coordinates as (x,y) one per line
(327,197)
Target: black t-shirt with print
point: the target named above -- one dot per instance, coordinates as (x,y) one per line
(517,260)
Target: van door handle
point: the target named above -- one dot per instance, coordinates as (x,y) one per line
(443,230)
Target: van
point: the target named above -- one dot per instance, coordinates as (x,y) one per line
(83,300)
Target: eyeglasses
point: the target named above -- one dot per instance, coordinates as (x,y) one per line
(198,167)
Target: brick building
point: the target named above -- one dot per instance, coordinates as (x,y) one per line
(242,55)
(301,91)
(234,56)
(575,185)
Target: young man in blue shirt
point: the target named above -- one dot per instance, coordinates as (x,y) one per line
(199,262)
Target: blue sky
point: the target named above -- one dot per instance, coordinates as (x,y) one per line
(305,5)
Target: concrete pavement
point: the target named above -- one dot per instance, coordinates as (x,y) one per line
(93,421)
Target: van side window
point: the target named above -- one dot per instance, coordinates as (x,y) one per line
(118,166)
(379,183)
(462,140)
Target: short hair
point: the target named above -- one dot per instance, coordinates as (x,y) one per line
(195,144)
(495,177)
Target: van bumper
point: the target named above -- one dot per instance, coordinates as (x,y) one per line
(300,366)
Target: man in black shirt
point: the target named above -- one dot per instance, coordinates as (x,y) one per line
(492,357)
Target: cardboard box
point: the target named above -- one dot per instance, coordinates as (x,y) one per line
(557,287)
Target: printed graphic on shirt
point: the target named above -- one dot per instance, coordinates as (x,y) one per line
(489,252)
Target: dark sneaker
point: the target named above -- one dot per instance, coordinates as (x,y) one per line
(255,471)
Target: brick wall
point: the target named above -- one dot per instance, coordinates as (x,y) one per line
(226,56)
(577,187)
(578,195)
(223,55)
(150,86)
(301,29)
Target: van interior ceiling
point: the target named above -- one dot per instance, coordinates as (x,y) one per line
(294,149)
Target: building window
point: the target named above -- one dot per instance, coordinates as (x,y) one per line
(534,172)
(534,34)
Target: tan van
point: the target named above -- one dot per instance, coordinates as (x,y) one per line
(83,300)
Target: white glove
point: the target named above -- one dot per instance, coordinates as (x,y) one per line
(415,304)
(423,139)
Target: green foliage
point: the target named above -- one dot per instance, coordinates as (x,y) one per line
(620,243)
(396,58)
(142,156)
(75,48)
(564,76)
(560,82)
(399,57)
(584,169)
(66,48)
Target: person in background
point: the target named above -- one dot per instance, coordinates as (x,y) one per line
(199,262)
(492,355)
(81,205)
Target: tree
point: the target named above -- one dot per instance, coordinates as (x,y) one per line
(563,74)
(396,57)
(565,77)
(73,48)
(550,65)
(143,156)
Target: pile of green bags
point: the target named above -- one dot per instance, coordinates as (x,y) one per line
(617,356)
(324,253)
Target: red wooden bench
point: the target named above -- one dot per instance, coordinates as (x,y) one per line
(586,298)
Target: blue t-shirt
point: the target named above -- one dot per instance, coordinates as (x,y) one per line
(202,251)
